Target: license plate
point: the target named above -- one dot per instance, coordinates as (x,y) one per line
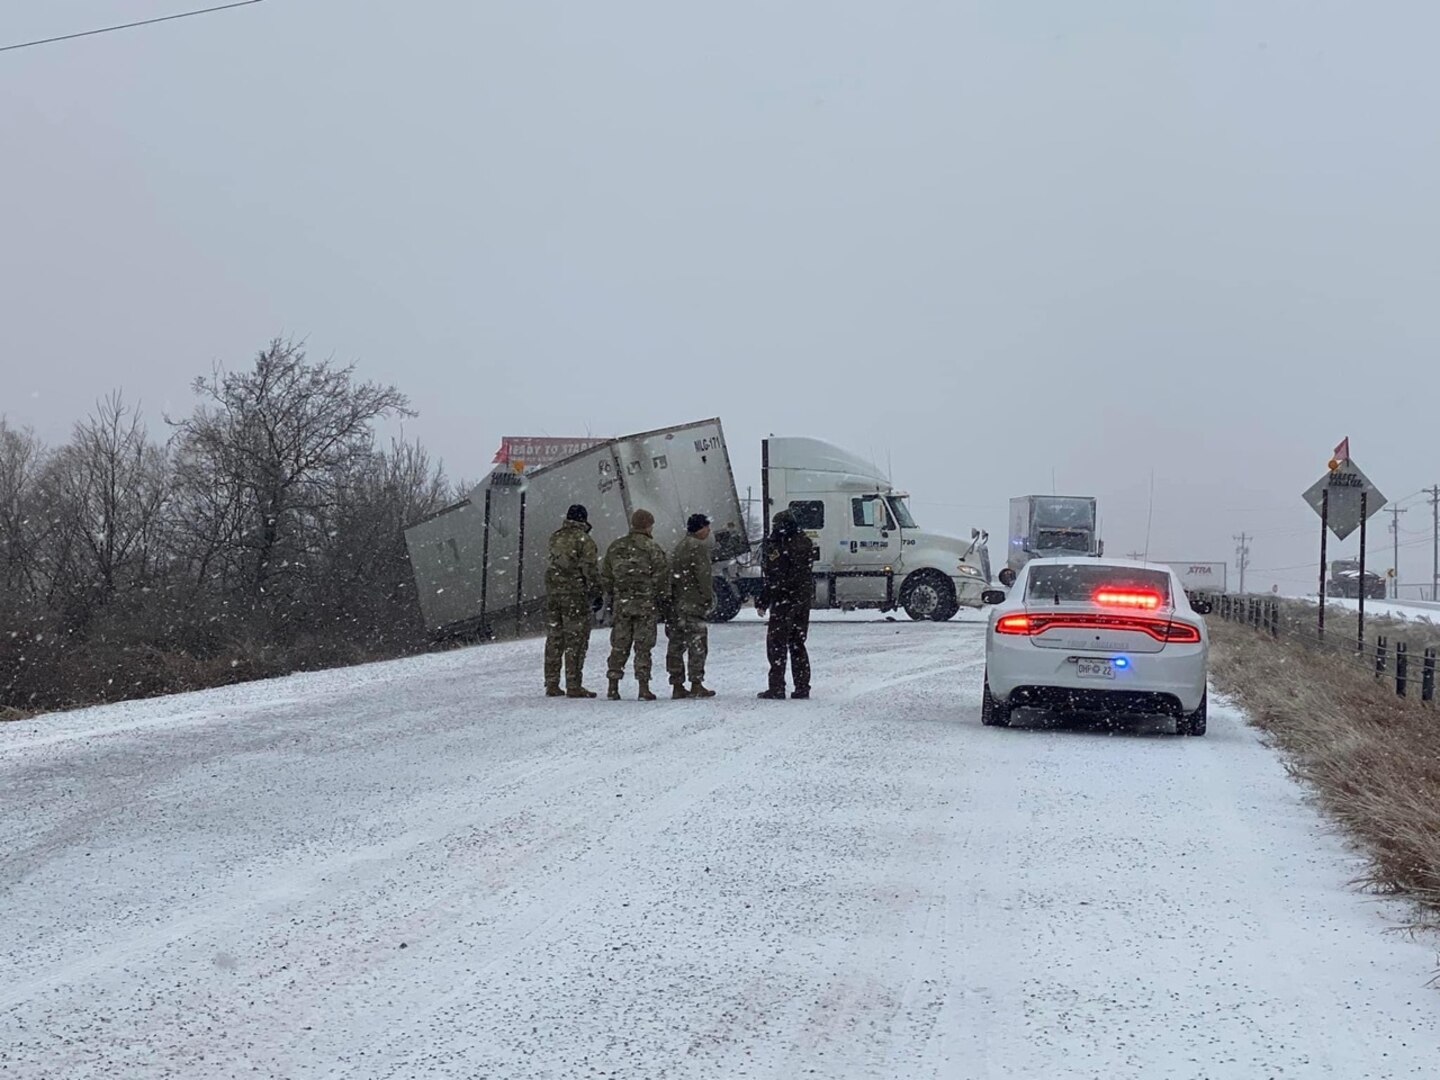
(1094,669)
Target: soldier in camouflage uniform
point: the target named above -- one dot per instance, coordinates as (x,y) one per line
(636,576)
(572,587)
(692,595)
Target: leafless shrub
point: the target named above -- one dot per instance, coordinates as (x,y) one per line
(267,537)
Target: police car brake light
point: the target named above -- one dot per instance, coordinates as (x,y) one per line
(1134,599)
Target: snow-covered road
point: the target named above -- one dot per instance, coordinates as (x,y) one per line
(425,869)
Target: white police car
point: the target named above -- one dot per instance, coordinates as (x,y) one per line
(1096,635)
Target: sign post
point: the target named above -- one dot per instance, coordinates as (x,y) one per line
(1324,535)
(1360,622)
(1345,499)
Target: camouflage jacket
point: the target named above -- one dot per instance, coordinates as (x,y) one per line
(574,568)
(636,573)
(692,580)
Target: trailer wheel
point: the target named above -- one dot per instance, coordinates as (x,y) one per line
(727,602)
(928,594)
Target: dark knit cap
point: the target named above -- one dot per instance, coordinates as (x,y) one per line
(577,513)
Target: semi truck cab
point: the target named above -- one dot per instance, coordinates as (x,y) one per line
(872,552)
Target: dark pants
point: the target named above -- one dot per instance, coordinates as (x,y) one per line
(785,636)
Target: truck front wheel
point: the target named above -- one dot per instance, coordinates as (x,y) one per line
(928,594)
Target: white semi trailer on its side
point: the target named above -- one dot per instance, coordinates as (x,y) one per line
(480,564)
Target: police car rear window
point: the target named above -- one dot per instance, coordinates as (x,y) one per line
(1079,582)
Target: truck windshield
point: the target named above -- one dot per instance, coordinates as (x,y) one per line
(901,510)
(1065,513)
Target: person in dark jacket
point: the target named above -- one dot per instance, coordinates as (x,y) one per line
(692,595)
(788,593)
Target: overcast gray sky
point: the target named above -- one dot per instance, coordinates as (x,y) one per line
(981,242)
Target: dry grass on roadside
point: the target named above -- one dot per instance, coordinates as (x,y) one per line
(1372,758)
(7,713)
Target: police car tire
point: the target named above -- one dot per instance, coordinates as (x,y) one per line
(992,712)
(1193,723)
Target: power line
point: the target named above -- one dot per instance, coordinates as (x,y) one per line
(128,26)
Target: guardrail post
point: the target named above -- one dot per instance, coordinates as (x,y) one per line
(1427,677)
(1402,667)
(1275,618)
(1380,656)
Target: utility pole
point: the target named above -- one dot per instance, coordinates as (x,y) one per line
(1435,573)
(1242,555)
(1394,512)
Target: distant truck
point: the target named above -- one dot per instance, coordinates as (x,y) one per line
(1345,581)
(480,564)
(1050,526)
(871,551)
(1200,577)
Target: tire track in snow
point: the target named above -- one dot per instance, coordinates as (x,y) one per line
(577,884)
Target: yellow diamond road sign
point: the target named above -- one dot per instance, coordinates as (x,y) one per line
(1345,485)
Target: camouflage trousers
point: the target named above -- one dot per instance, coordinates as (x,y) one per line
(687,634)
(634,628)
(567,637)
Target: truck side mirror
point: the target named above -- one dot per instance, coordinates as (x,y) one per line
(992,596)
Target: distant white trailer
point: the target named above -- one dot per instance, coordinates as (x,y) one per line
(1201,577)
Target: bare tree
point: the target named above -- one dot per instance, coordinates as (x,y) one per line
(117,488)
(103,496)
(264,454)
(22,459)
(368,581)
